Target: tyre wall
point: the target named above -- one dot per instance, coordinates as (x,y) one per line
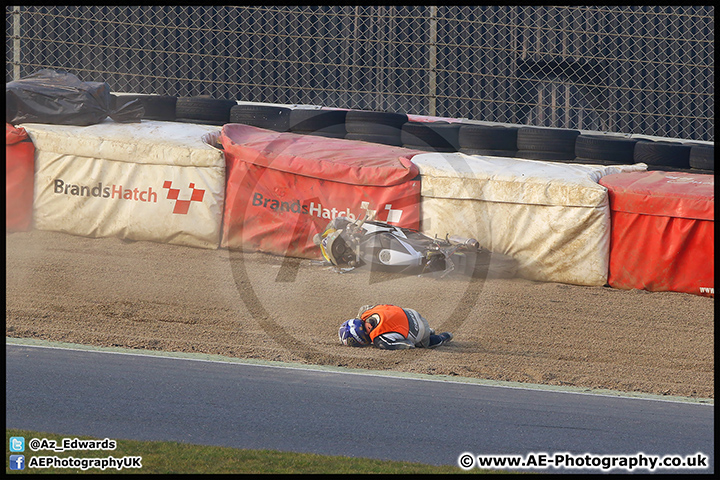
(486,142)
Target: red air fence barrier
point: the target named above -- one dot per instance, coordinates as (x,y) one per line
(19,179)
(663,233)
(283,188)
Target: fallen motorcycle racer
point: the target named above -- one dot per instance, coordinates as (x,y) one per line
(390,327)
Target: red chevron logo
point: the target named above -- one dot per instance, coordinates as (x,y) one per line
(182,206)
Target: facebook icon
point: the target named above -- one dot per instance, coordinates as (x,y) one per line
(17,462)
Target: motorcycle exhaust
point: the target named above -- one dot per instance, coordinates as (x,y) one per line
(470,242)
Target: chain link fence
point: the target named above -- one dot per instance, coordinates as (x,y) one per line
(626,69)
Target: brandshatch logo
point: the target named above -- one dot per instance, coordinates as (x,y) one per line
(118,192)
(182,206)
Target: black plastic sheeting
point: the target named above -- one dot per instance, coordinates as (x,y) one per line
(61,98)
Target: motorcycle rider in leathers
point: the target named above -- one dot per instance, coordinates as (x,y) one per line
(392,328)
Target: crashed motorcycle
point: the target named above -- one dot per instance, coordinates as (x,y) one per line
(347,244)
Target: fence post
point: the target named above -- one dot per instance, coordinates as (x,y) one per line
(16,43)
(432,61)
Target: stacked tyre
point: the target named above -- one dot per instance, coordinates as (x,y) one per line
(157,107)
(430,136)
(270,117)
(325,123)
(662,155)
(376,127)
(494,140)
(204,110)
(605,149)
(541,143)
(702,158)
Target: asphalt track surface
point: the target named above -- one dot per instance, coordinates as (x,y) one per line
(301,409)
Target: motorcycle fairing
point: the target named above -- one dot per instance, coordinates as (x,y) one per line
(386,249)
